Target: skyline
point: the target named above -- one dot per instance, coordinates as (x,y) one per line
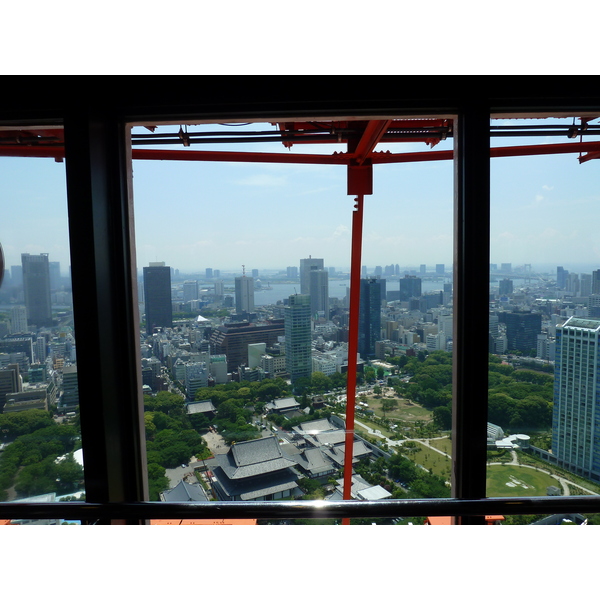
(196,215)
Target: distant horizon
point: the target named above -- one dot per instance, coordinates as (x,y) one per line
(543,268)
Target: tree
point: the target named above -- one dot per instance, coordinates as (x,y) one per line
(388,404)
(442,417)
(319,383)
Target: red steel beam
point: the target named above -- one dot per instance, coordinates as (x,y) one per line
(342,158)
(355,267)
(371,136)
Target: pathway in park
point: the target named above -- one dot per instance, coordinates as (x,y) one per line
(565,483)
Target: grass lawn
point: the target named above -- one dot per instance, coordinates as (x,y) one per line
(430,459)
(513,480)
(445,445)
(406,411)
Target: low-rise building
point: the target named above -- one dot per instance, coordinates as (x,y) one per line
(255,470)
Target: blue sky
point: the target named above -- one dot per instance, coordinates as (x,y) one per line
(194,215)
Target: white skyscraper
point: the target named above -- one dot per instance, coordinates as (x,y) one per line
(576,416)
(18,319)
(244,294)
(306,266)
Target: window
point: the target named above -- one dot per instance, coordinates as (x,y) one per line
(41,458)
(104,285)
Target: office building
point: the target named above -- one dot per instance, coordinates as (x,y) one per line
(70,396)
(298,337)
(16,275)
(585,285)
(219,289)
(575,423)
(522,329)
(369,327)
(55,282)
(232,339)
(596,282)
(561,277)
(440,269)
(196,377)
(157,296)
(10,382)
(244,294)
(190,290)
(410,287)
(18,319)
(209,273)
(319,292)
(306,266)
(36,289)
(292,272)
(505,287)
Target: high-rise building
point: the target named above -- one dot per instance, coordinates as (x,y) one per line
(369,327)
(298,337)
(255,273)
(209,273)
(423,269)
(292,272)
(575,422)
(585,285)
(319,291)
(596,282)
(410,287)
(190,290)
(561,278)
(506,267)
(522,329)
(157,296)
(10,382)
(54,275)
(505,287)
(440,269)
(18,319)
(306,266)
(16,275)
(244,294)
(70,396)
(36,288)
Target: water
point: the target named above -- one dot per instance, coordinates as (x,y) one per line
(337,289)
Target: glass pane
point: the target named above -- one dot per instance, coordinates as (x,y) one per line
(244,277)
(41,458)
(543,399)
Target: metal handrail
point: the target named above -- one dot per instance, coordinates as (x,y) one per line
(309,509)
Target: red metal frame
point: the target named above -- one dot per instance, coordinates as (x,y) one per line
(360,158)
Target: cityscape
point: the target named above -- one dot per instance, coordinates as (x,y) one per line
(243,376)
